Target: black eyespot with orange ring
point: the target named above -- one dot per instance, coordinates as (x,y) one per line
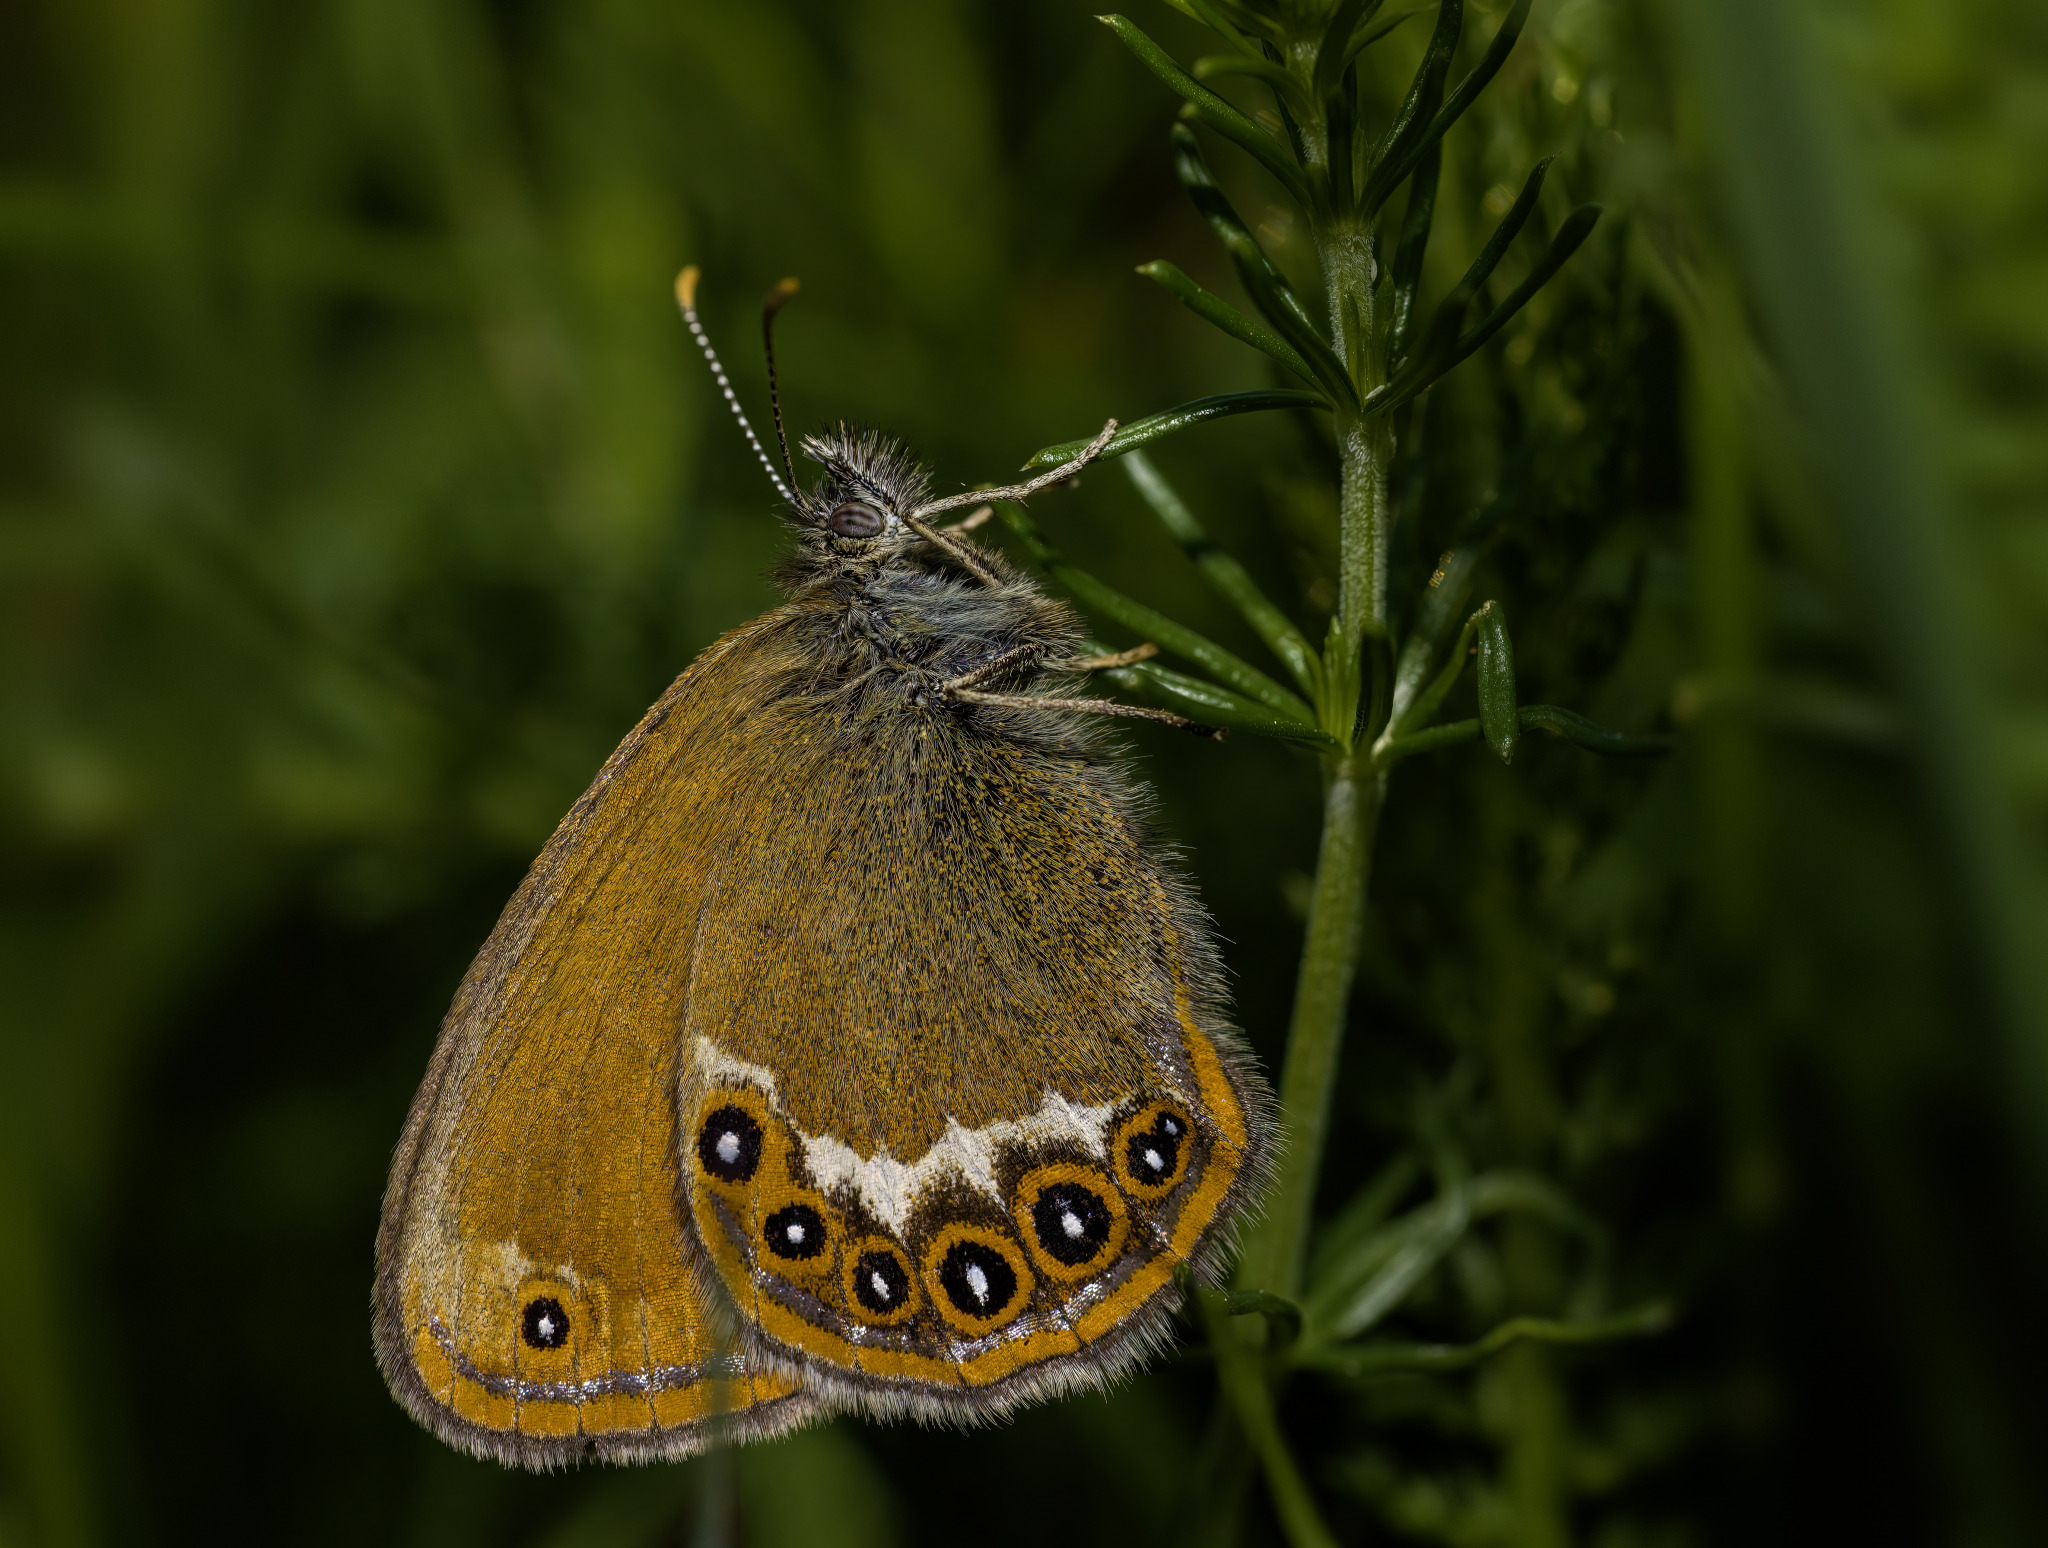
(977,1278)
(1072,1218)
(881,1289)
(737,1142)
(1151,1149)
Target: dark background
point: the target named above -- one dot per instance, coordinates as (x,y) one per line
(359,487)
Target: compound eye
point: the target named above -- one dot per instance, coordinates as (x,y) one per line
(854,520)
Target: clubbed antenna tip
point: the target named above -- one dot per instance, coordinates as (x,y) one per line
(686,298)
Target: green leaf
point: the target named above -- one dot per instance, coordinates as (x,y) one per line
(1267,287)
(1570,236)
(1212,111)
(1425,92)
(1581,732)
(1149,623)
(1446,324)
(1364,1214)
(1449,734)
(1364,40)
(1383,1270)
(1214,705)
(1336,98)
(1445,594)
(1334,52)
(1497,711)
(1140,431)
(1386,1359)
(1281,1314)
(1229,21)
(1214,309)
(1277,76)
(1421,708)
(1387,176)
(1229,577)
(1441,353)
(1406,274)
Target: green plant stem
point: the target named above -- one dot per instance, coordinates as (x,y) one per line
(1353,788)
(1239,1368)
(1329,961)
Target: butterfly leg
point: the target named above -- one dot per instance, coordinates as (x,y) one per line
(1121,658)
(992,668)
(970,522)
(962,551)
(1086,707)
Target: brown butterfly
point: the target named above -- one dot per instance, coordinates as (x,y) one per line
(848,1046)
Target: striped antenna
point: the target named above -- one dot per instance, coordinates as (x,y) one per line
(686,298)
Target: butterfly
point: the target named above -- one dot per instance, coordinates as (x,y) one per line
(849,1046)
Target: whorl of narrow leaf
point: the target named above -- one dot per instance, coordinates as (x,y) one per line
(1142,431)
(1212,111)
(1263,281)
(1402,159)
(1214,309)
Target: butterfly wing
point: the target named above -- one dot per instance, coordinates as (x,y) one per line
(955,1101)
(537,1299)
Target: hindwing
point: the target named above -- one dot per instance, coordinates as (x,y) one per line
(955,1101)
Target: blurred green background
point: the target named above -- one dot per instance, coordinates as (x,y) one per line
(359,487)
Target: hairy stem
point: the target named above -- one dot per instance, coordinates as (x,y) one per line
(1352,793)
(1329,962)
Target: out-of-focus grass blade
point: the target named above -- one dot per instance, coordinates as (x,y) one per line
(1793,191)
(1369,1207)
(1140,432)
(1229,577)
(1379,1273)
(1388,1359)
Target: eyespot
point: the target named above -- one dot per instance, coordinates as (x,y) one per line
(878,1281)
(796,1233)
(978,1280)
(544,1325)
(1072,1218)
(853,519)
(1152,1149)
(729,1144)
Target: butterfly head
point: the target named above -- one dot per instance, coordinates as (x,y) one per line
(870,484)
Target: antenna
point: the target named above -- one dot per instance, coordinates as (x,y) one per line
(686,298)
(769,308)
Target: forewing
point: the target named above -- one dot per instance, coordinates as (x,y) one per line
(537,1297)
